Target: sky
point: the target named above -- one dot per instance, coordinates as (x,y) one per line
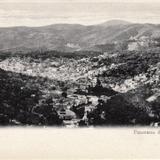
(86,12)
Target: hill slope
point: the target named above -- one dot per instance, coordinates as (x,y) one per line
(72,37)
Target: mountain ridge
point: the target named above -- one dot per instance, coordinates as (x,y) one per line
(73,37)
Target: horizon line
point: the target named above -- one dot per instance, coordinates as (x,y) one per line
(65,23)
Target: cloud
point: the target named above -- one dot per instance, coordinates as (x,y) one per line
(31,14)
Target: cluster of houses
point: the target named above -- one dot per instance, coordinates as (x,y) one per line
(135,43)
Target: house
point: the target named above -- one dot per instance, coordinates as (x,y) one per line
(66,114)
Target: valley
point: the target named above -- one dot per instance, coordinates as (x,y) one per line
(115,80)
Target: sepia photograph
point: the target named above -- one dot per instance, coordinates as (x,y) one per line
(85,65)
(79,63)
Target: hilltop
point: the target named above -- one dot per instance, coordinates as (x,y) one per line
(73,37)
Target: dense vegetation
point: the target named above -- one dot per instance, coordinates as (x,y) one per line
(29,100)
(40,54)
(118,111)
(19,94)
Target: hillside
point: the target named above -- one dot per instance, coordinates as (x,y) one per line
(72,37)
(127,79)
(19,95)
(74,75)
